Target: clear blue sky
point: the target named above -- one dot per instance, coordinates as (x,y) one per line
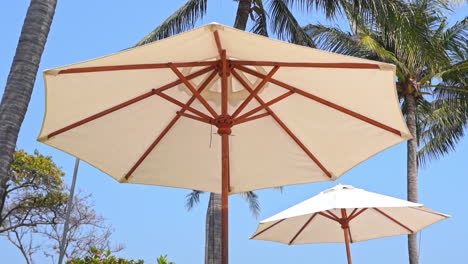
(152,220)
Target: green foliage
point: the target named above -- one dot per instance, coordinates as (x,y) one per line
(431,60)
(35,206)
(182,20)
(96,256)
(285,25)
(163,260)
(35,170)
(278,16)
(34,191)
(193,198)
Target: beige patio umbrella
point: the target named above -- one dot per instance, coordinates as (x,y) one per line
(344,214)
(145,115)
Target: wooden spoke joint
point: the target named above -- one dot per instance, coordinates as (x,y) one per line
(224,124)
(344,222)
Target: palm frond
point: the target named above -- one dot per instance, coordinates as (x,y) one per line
(331,8)
(182,20)
(372,44)
(369,9)
(259,16)
(381,11)
(364,44)
(453,90)
(252,199)
(285,25)
(334,40)
(459,69)
(456,38)
(441,128)
(193,198)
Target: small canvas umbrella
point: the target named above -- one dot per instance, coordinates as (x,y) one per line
(145,115)
(346,214)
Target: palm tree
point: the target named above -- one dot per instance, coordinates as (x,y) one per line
(274,14)
(277,16)
(20,82)
(213,220)
(431,76)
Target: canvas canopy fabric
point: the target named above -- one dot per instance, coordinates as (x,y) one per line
(369,215)
(297,114)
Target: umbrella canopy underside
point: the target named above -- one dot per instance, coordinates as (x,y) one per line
(365,215)
(149,114)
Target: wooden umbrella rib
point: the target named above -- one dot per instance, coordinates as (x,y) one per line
(261,232)
(307,64)
(321,100)
(327,216)
(188,77)
(352,216)
(255,91)
(100,114)
(353,212)
(430,212)
(333,215)
(194,117)
(224,83)
(302,228)
(194,91)
(349,233)
(152,146)
(285,128)
(168,127)
(298,142)
(137,67)
(394,220)
(218,41)
(179,103)
(127,103)
(269,103)
(251,118)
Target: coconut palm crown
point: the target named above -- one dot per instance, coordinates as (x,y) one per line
(431,75)
(270,16)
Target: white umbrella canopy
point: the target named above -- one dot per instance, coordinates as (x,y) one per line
(337,113)
(346,214)
(145,115)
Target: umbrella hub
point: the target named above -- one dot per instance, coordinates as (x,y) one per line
(224,124)
(344,223)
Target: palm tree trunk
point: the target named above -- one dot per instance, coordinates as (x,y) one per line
(243,10)
(412,171)
(21,80)
(213,254)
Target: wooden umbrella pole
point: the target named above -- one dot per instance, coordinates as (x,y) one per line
(348,249)
(345,227)
(225,198)
(224,123)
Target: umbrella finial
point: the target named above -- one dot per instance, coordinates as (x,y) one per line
(213,26)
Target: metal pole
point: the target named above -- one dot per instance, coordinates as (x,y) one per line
(68,212)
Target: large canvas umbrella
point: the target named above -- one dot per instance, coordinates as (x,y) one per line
(346,214)
(145,115)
